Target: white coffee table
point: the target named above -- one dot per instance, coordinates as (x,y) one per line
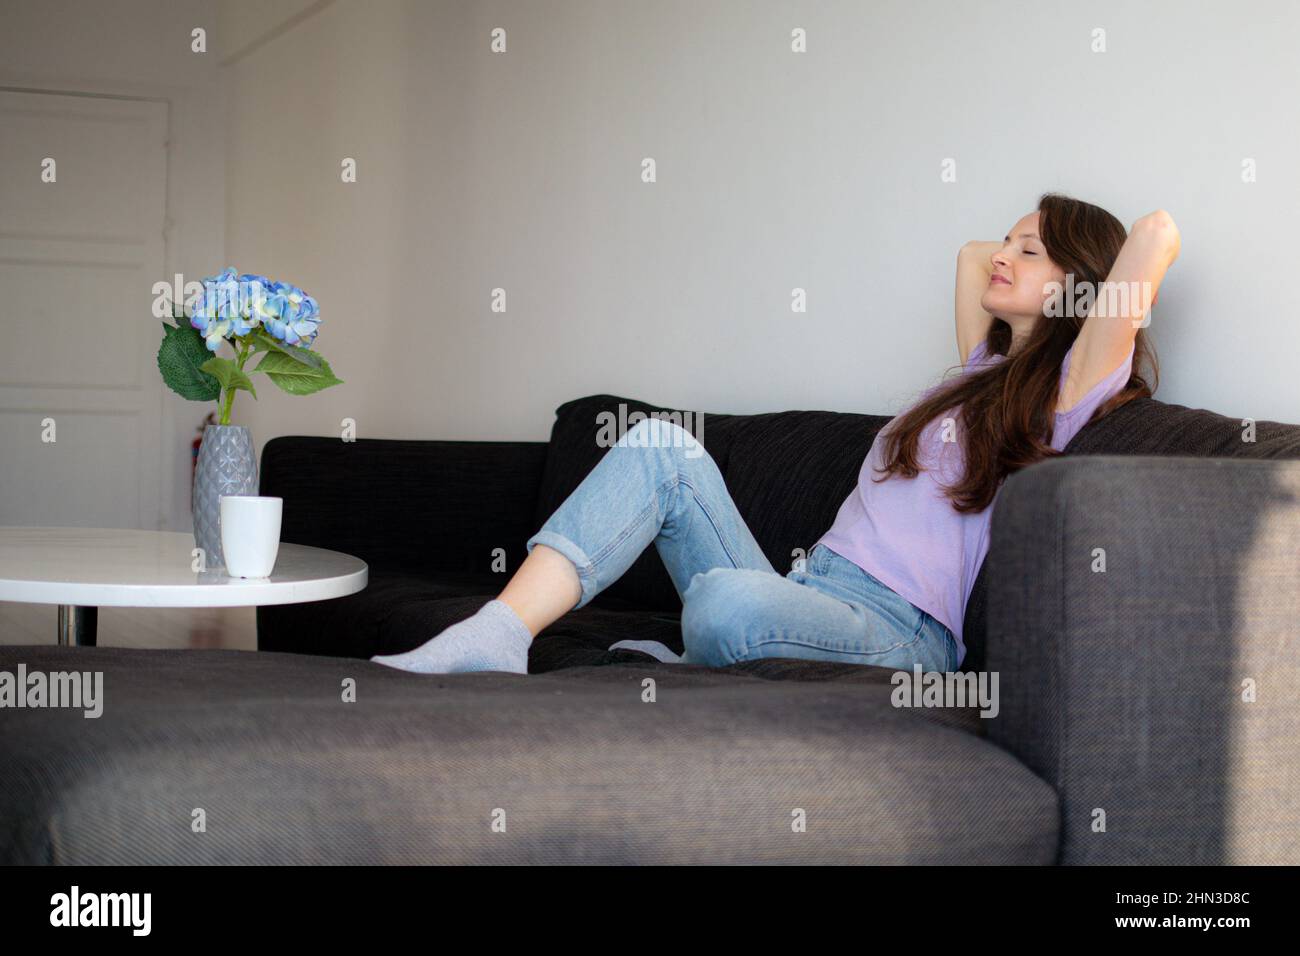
(84,569)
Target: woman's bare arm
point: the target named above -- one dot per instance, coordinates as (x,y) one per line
(974,266)
(1112,324)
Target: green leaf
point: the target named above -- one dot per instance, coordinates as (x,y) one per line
(228,374)
(259,340)
(263,341)
(180,359)
(293,376)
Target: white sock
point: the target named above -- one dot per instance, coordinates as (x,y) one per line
(493,639)
(656,649)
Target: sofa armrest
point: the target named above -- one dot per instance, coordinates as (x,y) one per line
(416,505)
(1161,688)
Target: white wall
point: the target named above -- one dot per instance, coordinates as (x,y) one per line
(141,48)
(775,171)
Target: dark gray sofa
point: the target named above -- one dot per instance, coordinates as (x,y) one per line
(1122,734)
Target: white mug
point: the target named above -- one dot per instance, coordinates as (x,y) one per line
(250,534)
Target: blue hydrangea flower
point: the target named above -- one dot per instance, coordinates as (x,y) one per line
(233,305)
(215,308)
(293,315)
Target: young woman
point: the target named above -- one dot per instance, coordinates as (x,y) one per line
(887,584)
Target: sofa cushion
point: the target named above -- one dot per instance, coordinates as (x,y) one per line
(415,505)
(1149,427)
(572,453)
(418,767)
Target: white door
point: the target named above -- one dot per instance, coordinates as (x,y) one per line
(78,259)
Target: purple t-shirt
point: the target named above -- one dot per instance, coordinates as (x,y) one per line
(905,531)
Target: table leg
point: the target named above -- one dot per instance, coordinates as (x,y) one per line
(78,625)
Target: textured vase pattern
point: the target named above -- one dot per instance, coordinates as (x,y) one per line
(226,466)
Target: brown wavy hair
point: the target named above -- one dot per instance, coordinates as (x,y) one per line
(1005,408)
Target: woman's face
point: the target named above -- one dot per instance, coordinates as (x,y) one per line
(1019,285)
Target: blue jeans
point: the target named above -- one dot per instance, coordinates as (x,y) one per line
(659,485)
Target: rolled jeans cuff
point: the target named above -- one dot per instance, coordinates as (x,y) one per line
(577,557)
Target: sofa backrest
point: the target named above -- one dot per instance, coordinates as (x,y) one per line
(1147,426)
(788,473)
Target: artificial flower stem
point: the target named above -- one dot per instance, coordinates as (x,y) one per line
(225,406)
(241,356)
